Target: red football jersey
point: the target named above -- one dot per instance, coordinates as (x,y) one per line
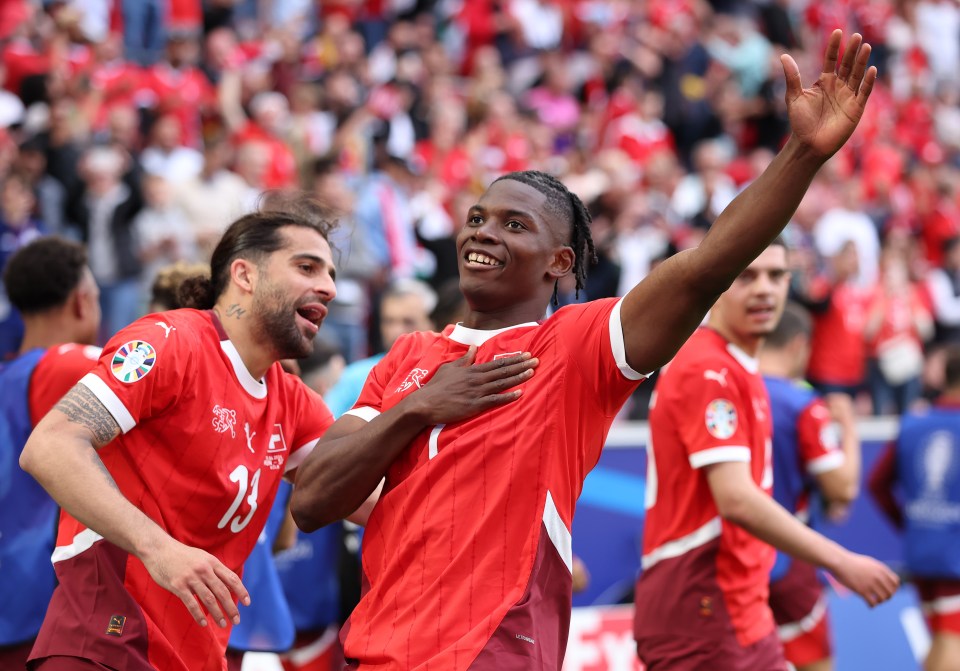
(202,451)
(710,406)
(56,373)
(467,555)
(838,350)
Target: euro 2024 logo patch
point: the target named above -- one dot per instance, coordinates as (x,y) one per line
(721,418)
(133,360)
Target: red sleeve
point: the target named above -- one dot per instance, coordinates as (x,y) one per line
(881,482)
(591,334)
(56,373)
(143,369)
(313,419)
(819,439)
(370,402)
(711,417)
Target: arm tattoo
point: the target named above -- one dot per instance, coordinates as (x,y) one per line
(235,311)
(103,470)
(82,407)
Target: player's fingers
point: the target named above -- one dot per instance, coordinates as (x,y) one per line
(866,87)
(849,56)
(190,601)
(495,400)
(859,67)
(791,76)
(505,383)
(509,371)
(233,583)
(209,601)
(832,53)
(224,598)
(502,362)
(468,357)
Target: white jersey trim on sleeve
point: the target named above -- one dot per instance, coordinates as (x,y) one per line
(110,401)
(807,623)
(943,606)
(557,531)
(82,542)
(298,455)
(619,349)
(719,455)
(366,413)
(826,463)
(684,544)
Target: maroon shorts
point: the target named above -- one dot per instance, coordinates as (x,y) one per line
(681,621)
(62,663)
(940,601)
(15,656)
(800,610)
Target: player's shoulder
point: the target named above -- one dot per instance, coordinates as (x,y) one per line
(171,328)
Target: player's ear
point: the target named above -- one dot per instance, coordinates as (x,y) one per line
(561,263)
(243,273)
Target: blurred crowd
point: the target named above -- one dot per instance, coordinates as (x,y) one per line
(143,127)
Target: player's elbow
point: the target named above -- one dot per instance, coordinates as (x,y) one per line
(840,490)
(310,513)
(734,507)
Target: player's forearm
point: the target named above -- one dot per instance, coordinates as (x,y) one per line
(756,216)
(68,467)
(349,462)
(770,522)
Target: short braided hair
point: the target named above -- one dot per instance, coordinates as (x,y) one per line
(565,205)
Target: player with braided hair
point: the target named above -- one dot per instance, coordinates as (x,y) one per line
(467,554)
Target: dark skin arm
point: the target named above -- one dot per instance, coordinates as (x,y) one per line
(354,455)
(822,118)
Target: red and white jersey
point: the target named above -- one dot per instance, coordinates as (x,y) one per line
(467,555)
(710,406)
(202,451)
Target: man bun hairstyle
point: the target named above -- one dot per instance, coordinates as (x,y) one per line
(565,205)
(253,237)
(42,274)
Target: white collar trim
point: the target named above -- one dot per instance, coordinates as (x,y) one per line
(751,364)
(469,336)
(256,388)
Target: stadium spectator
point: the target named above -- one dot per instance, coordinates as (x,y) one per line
(208,381)
(474,458)
(214,198)
(897,326)
(943,284)
(162,233)
(165,155)
(915,484)
(815,450)
(52,287)
(104,211)
(838,355)
(18,227)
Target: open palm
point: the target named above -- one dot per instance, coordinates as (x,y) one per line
(826,114)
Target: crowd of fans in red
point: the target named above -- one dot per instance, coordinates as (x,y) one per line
(144,127)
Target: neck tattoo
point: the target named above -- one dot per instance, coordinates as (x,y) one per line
(235,311)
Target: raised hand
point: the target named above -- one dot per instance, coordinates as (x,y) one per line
(826,114)
(197,577)
(461,389)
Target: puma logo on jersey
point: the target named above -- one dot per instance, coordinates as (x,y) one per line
(166,329)
(720,378)
(224,420)
(246,430)
(504,355)
(115,625)
(414,377)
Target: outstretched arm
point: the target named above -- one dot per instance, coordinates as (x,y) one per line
(353,456)
(61,455)
(662,311)
(741,502)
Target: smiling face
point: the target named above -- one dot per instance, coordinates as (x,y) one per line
(750,309)
(295,284)
(511,250)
